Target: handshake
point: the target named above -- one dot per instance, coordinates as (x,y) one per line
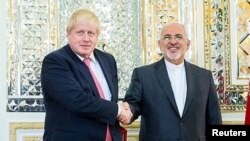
(126,114)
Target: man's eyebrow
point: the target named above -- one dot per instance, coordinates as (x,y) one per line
(166,35)
(172,35)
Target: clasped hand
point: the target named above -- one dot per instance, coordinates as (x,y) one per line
(126,114)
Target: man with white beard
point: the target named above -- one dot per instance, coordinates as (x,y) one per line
(176,100)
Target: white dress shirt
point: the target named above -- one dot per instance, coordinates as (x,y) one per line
(177,76)
(96,68)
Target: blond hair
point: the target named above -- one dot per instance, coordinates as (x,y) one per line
(83,15)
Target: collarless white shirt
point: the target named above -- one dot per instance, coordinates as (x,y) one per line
(96,68)
(177,76)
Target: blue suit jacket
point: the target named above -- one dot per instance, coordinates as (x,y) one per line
(74,109)
(151,96)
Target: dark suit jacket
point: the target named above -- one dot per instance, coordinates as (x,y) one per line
(151,96)
(74,109)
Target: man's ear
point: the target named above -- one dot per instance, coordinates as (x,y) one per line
(159,43)
(188,43)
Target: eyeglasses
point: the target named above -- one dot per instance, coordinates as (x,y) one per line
(177,37)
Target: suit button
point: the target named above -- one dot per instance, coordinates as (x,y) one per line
(181,124)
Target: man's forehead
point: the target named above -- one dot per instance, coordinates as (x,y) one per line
(173,31)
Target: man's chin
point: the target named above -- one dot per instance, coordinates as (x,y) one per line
(174,57)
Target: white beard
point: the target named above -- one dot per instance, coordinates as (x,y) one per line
(174,56)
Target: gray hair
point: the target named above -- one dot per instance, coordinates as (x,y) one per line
(170,23)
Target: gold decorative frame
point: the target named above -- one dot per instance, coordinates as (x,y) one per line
(15,126)
(217,54)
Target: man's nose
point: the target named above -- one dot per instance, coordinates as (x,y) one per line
(85,37)
(172,41)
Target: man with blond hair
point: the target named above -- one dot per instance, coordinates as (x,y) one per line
(80,87)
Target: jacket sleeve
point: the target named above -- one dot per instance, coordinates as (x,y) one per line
(59,78)
(134,95)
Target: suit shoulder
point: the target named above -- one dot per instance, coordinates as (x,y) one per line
(62,54)
(57,52)
(102,53)
(198,68)
(147,67)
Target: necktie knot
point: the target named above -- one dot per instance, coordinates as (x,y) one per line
(87,61)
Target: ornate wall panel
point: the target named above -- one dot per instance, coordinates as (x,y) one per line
(32,30)
(217,54)
(243,38)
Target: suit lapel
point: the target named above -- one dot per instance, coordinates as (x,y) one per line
(190,87)
(84,71)
(162,77)
(103,63)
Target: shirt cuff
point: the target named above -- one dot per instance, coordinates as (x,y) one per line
(119,109)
